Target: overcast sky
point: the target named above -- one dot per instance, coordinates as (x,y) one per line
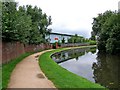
(72,16)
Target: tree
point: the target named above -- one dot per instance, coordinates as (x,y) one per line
(8,20)
(77,39)
(63,40)
(23,25)
(26,24)
(40,23)
(113,42)
(107,28)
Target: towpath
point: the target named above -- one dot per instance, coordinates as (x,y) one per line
(27,74)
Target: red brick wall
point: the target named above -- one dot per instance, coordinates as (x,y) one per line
(31,48)
(11,50)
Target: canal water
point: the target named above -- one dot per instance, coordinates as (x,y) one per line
(91,64)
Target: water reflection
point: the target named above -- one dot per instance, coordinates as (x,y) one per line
(92,65)
(69,54)
(78,61)
(106,70)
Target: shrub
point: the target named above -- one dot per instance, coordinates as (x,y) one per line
(92,42)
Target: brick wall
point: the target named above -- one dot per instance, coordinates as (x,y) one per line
(11,50)
(35,48)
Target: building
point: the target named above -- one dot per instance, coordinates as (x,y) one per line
(53,37)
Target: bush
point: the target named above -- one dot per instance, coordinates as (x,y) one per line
(54,45)
(101,46)
(59,44)
(110,45)
(92,42)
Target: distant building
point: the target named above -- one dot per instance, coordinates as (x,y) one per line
(58,36)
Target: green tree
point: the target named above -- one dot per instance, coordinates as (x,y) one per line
(113,42)
(23,25)
(107,28)
(26,24)
(77,39)
(8,20)
(40,23)
(63,40)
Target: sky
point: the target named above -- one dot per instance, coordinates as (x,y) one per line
(72,16)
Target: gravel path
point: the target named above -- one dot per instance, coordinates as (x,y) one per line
(27,74)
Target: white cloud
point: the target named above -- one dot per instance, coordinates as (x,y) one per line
(72,16)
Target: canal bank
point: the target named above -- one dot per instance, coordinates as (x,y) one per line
(61,77)
(91,64)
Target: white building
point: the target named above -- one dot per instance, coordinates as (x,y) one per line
(59,36)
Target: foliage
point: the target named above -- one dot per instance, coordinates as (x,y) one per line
(77,39)
(92,42)
(107,29)
(26,24)
(61,77)
(8,20)
(80,39)
(54,45)
(59,43)
(63,40)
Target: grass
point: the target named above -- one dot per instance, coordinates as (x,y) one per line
(61,77)
(0,77)
(8,68)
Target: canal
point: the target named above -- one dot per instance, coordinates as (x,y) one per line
(91,64)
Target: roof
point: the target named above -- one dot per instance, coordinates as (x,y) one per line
(61,34)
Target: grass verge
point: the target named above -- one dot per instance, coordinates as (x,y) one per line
(0,77)
(8,68)
(61,77)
